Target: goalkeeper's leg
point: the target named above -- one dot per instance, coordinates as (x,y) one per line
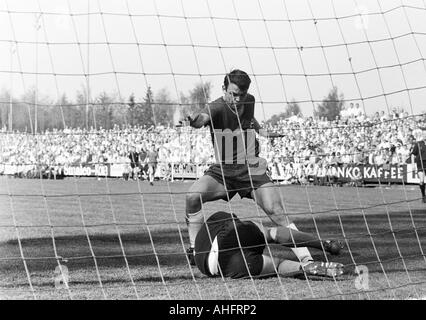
(290,238)
(268,197)
(203,190)
(289,268)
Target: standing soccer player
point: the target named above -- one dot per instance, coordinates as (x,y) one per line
(143,167)
(134,163)
(419,152)
(238,167)
(152,156)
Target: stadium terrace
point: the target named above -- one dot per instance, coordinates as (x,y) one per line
(310,150)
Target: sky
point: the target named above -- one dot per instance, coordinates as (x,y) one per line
(372,50)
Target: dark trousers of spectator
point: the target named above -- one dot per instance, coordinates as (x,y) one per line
(317,181)
(333,180)
(322,181)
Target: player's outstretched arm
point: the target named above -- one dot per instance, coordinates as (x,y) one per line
(199,120)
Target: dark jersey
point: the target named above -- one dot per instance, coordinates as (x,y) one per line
(203,242)
(134,159)
(152,157)
(142,156)
(234,238)
(233,131)
(419,151)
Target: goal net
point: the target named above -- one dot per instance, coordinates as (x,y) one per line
(90,89)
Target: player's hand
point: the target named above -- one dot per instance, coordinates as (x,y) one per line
(185,122)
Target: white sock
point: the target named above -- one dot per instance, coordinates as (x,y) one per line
(288,268)
(194,221)
(301,253)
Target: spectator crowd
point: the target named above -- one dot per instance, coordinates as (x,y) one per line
(307,145)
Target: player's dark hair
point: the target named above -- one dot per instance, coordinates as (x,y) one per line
(238,77)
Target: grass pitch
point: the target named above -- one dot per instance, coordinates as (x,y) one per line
(106,232)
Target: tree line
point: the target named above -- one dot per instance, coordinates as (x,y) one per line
(106,111)
(329,108)
(103,111)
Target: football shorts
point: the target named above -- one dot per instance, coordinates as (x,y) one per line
(241,179)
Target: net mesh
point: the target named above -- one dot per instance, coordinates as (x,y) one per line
(87,226)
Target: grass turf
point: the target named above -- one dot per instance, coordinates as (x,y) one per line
(90,222)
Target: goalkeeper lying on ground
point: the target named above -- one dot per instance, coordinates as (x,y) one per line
(223,238)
